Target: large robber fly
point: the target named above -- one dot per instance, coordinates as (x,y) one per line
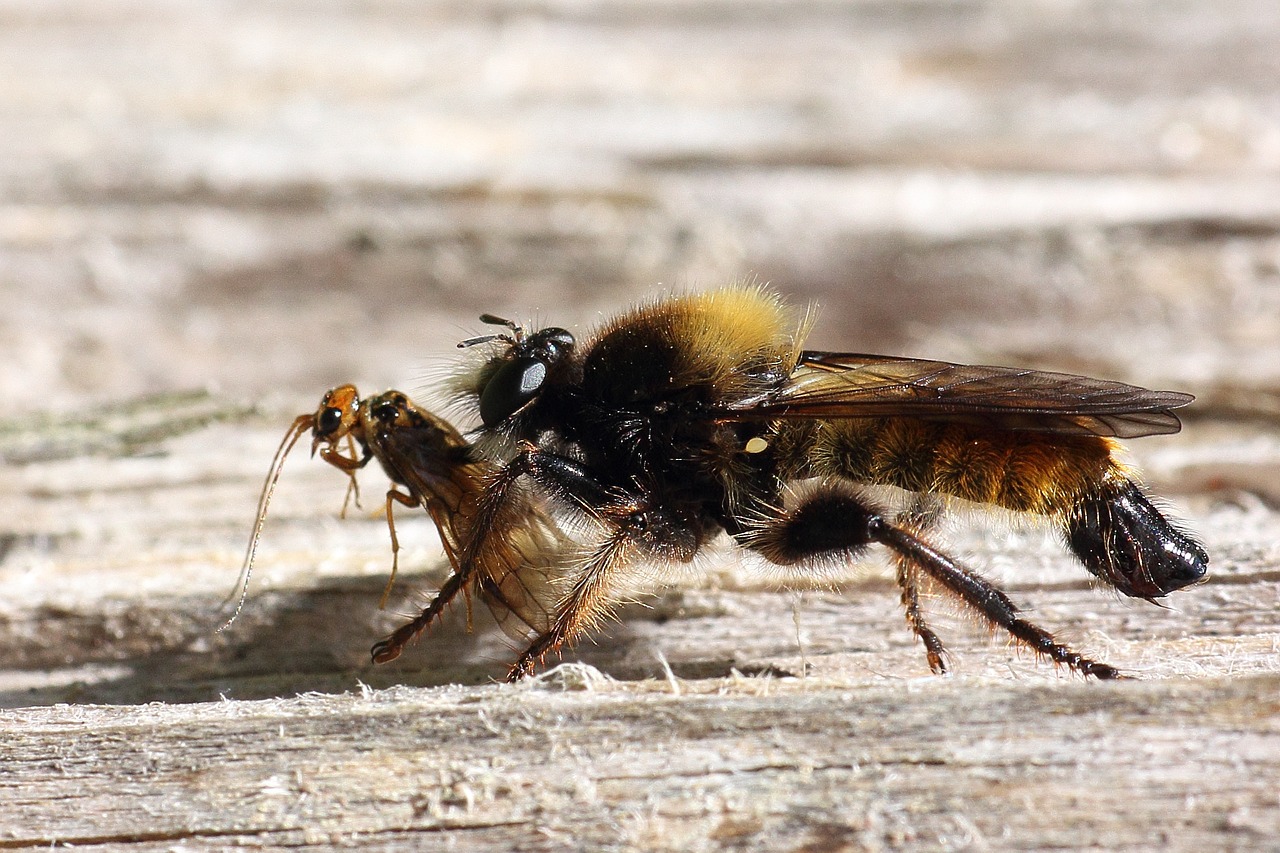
(697,415)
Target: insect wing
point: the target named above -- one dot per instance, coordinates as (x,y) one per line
(852,385)
(515,573)
(520,581)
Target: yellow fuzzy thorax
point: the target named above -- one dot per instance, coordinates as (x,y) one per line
(719,332)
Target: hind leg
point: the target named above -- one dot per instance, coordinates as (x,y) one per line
(835,521)
(922,515)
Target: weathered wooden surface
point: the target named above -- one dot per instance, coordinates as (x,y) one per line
(211,214)
(755,763)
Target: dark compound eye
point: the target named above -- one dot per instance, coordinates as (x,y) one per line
(511,388)
(328,420)
(517,382)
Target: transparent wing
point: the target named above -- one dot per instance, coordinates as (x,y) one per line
(519,573)
(854,385)
(522,577)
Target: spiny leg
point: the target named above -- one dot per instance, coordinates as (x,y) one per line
(632,525)
(908,583)
(493,518)
(587,603)
(387,650)
(493,502)
(922,515)
(992,604)
(833,521)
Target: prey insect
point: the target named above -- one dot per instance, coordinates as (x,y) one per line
(432,466)
(699,415)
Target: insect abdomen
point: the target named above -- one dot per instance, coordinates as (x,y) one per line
(1108,522)
(1021,471)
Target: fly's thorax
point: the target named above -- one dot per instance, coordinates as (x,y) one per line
(721,346)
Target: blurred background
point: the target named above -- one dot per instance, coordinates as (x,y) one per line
(270,198)
(211,212)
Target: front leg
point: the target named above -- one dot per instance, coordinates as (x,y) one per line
(348,464)
(498,514)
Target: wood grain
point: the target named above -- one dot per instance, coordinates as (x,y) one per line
(213,213)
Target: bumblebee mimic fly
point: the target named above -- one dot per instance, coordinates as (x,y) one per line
(700,415)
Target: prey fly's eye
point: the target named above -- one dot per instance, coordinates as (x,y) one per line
(518,381)
(328,420)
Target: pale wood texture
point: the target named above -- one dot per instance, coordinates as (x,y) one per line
(211,213)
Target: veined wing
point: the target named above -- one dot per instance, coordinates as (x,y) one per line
(828,385)
(517,575)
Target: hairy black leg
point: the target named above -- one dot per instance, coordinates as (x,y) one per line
(992,604)
(1124,540)
(387,650)
(633,528)
(835,522)
(908,584)
(493,504)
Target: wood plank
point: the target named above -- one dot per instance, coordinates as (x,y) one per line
(209,214)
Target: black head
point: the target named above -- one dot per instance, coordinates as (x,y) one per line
(522,371)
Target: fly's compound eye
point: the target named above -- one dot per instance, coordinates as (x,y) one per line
(518,381)
(327,421)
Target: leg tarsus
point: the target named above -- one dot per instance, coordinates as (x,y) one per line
(923,514)
(992,604)
(390,648)
(934,651)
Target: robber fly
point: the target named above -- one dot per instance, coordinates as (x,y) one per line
(432,466)
(701,414)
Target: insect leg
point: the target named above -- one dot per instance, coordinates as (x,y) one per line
(387,650)
(909,584)
(587,603)
(353,485)
(922,515)
(632,524)
(492,504)
(988,601)
(833,521)
(395,496)
(497,514)
(341,461)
